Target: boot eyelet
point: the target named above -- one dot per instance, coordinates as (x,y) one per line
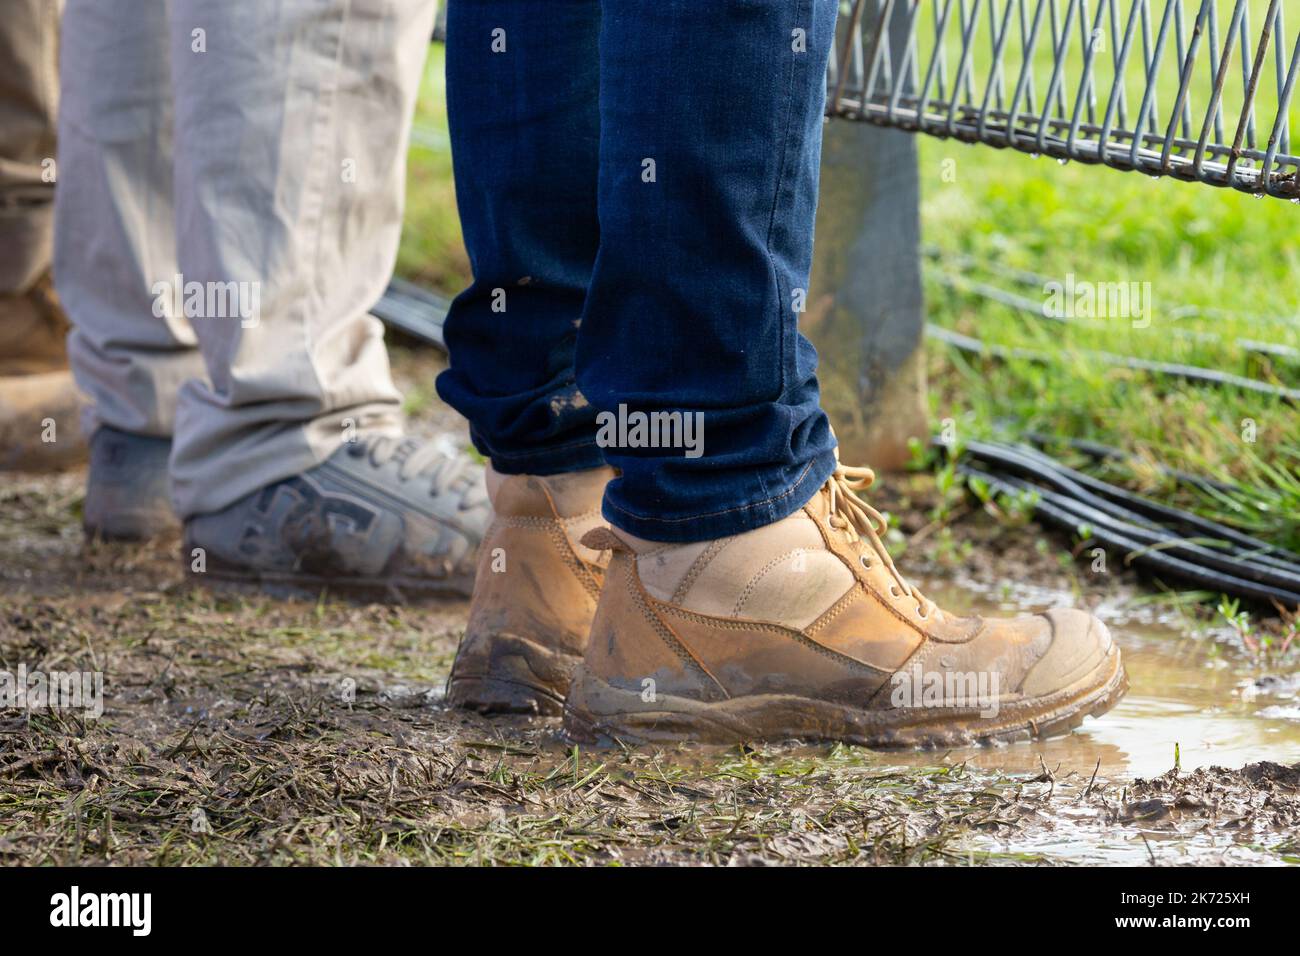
(920,612)
(866,563)
(893,590)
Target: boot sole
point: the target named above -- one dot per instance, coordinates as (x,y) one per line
(395,590)
(597,713)
(522,676)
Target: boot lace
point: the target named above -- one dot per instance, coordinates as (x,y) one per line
(861,522)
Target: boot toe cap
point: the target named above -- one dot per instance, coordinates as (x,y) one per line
(1080,646)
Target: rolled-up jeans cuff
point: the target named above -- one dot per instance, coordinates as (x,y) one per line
(574,456)
(726,521)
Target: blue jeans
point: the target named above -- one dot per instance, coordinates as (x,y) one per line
(637,182)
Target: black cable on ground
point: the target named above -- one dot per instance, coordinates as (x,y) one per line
(1200,551)
(1092,510)
(1154,562)
(1154,512)
(1188,373)
(1155,537)
(1100,452)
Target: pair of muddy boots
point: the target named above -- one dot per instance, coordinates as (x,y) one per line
(800,629)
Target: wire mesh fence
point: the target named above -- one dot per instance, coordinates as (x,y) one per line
(1199,90)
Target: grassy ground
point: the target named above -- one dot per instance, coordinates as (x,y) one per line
(239,729)
(1194,246)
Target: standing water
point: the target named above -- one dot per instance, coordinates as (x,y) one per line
(1196,690)
(1195,695)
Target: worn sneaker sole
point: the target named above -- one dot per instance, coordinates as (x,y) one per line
(385,590)
(128,526)
(509,674)
(598,713)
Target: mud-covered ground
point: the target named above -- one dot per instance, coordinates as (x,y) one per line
(240,729)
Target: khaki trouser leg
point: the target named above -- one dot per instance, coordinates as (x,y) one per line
(29,98)
(292,123)
(115,234)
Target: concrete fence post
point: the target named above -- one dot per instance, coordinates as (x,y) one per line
(865,310)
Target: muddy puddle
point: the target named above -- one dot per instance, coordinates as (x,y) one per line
(1190,687)
(1109,793)
(1194,695)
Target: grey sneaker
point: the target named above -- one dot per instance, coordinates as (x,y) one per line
(127,490)
(382,517)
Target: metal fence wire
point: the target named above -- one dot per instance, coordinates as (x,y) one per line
(1199,90)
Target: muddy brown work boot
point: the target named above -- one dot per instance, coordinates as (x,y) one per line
(39,422)
(535,593)
(39,402)
(33,331)
(805,629)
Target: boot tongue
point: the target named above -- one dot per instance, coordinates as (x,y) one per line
(604,539)
(623,541)
(820,504)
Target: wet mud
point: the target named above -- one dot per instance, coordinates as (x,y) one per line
(241,729)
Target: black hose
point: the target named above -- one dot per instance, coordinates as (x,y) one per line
(1189,373)
(1154,536)
(1227,563)
(1155,562)
(1227,560)
(1038,465)
(1100,452)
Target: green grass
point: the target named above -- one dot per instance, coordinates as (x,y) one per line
(432,251)
(1196,246)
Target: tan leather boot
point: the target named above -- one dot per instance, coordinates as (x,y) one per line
(535,593)
(805,629)
(40,422)
(40,406)
(33,331)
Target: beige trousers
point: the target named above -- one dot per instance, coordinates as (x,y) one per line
(229,206)
(29,97)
